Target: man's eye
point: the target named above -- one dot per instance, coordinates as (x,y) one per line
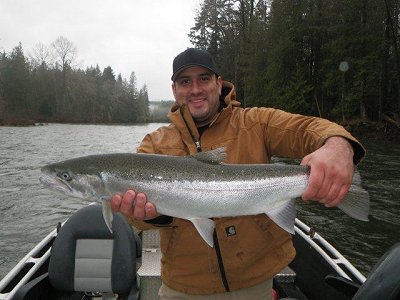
(184,81)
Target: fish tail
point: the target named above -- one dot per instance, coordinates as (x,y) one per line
(356,204)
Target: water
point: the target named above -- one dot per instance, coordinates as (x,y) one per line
(363,243)
(28,211)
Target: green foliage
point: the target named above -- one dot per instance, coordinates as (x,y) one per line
(16,82)
(295,96)
(38,90)
(286,53)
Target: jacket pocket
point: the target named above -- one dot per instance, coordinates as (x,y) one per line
(254,250)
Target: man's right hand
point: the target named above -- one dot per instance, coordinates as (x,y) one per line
(134,205)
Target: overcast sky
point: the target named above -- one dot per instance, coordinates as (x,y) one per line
(141,36)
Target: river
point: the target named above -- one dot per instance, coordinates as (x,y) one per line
(28,211)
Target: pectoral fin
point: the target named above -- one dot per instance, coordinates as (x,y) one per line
(205,228)
(107,213)
(284,216)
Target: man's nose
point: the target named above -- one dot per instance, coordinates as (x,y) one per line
(195,88)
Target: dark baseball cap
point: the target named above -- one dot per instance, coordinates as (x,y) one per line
(193,57)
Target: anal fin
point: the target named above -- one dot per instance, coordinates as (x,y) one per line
(205,227)
(107,213)
(284,216)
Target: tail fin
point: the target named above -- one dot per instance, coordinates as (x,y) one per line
(356,203)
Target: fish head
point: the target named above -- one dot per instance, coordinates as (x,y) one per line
(73,180)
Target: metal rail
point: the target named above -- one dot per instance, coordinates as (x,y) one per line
(31,258)
(335,259)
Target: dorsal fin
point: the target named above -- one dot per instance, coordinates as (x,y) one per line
(215,156)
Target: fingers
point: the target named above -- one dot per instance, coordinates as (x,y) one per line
(315,182)
(139,212)
(331,172)
(340,195)
(133,205)
(327,185)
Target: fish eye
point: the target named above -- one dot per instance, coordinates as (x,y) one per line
(65,176)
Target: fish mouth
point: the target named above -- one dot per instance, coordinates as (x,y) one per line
(56,183)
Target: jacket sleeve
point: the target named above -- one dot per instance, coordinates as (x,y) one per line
(294,135)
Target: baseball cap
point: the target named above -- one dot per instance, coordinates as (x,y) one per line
(193,57)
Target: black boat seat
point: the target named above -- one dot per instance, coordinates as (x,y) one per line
(86,259)
(343,285)
(383,282)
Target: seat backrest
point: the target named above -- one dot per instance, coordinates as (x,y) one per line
(86,257)
(383,282)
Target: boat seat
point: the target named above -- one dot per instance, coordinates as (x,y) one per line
(89,262)
(383,282)
(343,285)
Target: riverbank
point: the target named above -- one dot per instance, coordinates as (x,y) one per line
(17,122)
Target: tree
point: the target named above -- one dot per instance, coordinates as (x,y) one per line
(270,49)
(38,90)
(143,105)
(41,56)
(65,52)
(16,84)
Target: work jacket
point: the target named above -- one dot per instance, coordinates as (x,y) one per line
(247,249)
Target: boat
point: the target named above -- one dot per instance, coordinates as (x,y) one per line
(81,259)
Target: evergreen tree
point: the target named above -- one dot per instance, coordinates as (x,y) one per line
(16,84)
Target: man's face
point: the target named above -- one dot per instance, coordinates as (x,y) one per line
(199,89)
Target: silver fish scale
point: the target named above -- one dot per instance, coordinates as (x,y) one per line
(189,188)
(193,199)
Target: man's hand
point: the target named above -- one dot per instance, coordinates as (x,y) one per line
(134,205)
(331,172)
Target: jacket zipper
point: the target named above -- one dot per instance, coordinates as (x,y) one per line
(198,146)
(220,261)
(216,243)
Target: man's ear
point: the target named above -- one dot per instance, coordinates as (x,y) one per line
(173,86)
(219,83)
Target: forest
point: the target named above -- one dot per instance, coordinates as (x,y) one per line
(46,87)
(337,59)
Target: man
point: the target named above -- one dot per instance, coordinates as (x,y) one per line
(206,116)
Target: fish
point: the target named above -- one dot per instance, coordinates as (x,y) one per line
(196,187)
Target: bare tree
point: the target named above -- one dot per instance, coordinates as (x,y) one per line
(41,55)
(65,52)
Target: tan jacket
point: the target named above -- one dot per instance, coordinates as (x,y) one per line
(249,249)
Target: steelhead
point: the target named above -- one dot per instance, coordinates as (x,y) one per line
(196,187)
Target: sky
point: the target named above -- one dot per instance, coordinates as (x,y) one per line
(141,36)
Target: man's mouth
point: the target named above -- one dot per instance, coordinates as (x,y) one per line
(197,101)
